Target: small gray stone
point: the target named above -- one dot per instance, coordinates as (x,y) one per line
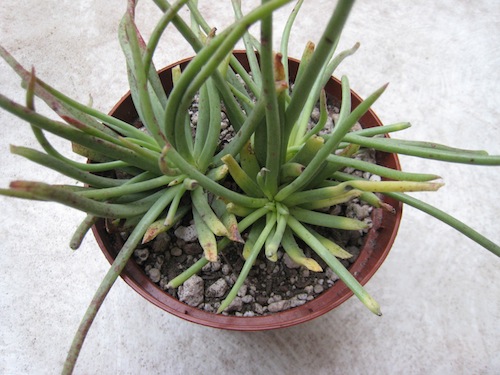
(294,302)
(207,267)
(226,270)
(279,306)
(236,305)
(331,275)
(217,289)
(187,234)
(208,307)
(215,266)
(142,254)
(161,242)
(315,114)
(258,308)
(175,251)
(154,274)
(191,292)
(318,289)
(243,290)
(248,299)
(301,296)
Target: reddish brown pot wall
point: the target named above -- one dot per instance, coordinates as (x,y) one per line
(377,245)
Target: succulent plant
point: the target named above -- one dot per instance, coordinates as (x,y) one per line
(273,180)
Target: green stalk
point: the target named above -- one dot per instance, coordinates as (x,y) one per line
(87,167)
(382,130)
(318,204)
(438,214)
(250,52)
(212,139)
(228,219)
(239,210)
(241,94)
(290,170)
(117,125)
(273,131)
(392,145)
(242,179)
(379,170)
(141,151)
(231,106)
(275,240)
(326,220)
(326,169)
(304,60)
(64,168)
(296,254)
(313,195)
(270,223)
(448,219)
(285,37)
(42,191)
(81,231)
(156,34)
(235,115)
(323,118)
(111,276)
(206,237)
(253,236)
(124,189)
(159,225)
(200,202)
(138,79)
(331,246)
(56,104)
(172,215)
(300,128)
(202,126)
(50,96)
(335,265)
(308,151)
(249,161)
(245,77)
(315,66)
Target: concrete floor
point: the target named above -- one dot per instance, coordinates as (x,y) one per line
(439,291)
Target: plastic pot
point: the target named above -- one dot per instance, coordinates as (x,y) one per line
(376,248)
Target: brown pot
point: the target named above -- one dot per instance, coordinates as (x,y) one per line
(377,244)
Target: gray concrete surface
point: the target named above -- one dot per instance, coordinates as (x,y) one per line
(439,291)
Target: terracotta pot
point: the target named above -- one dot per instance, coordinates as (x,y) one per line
(377,244)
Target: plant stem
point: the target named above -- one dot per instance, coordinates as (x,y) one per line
(111,276)
(335,265)
(437,153)
(318,60)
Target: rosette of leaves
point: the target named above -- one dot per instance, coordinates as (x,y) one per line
(286,172)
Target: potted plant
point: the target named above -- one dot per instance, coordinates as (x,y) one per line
(286,173)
